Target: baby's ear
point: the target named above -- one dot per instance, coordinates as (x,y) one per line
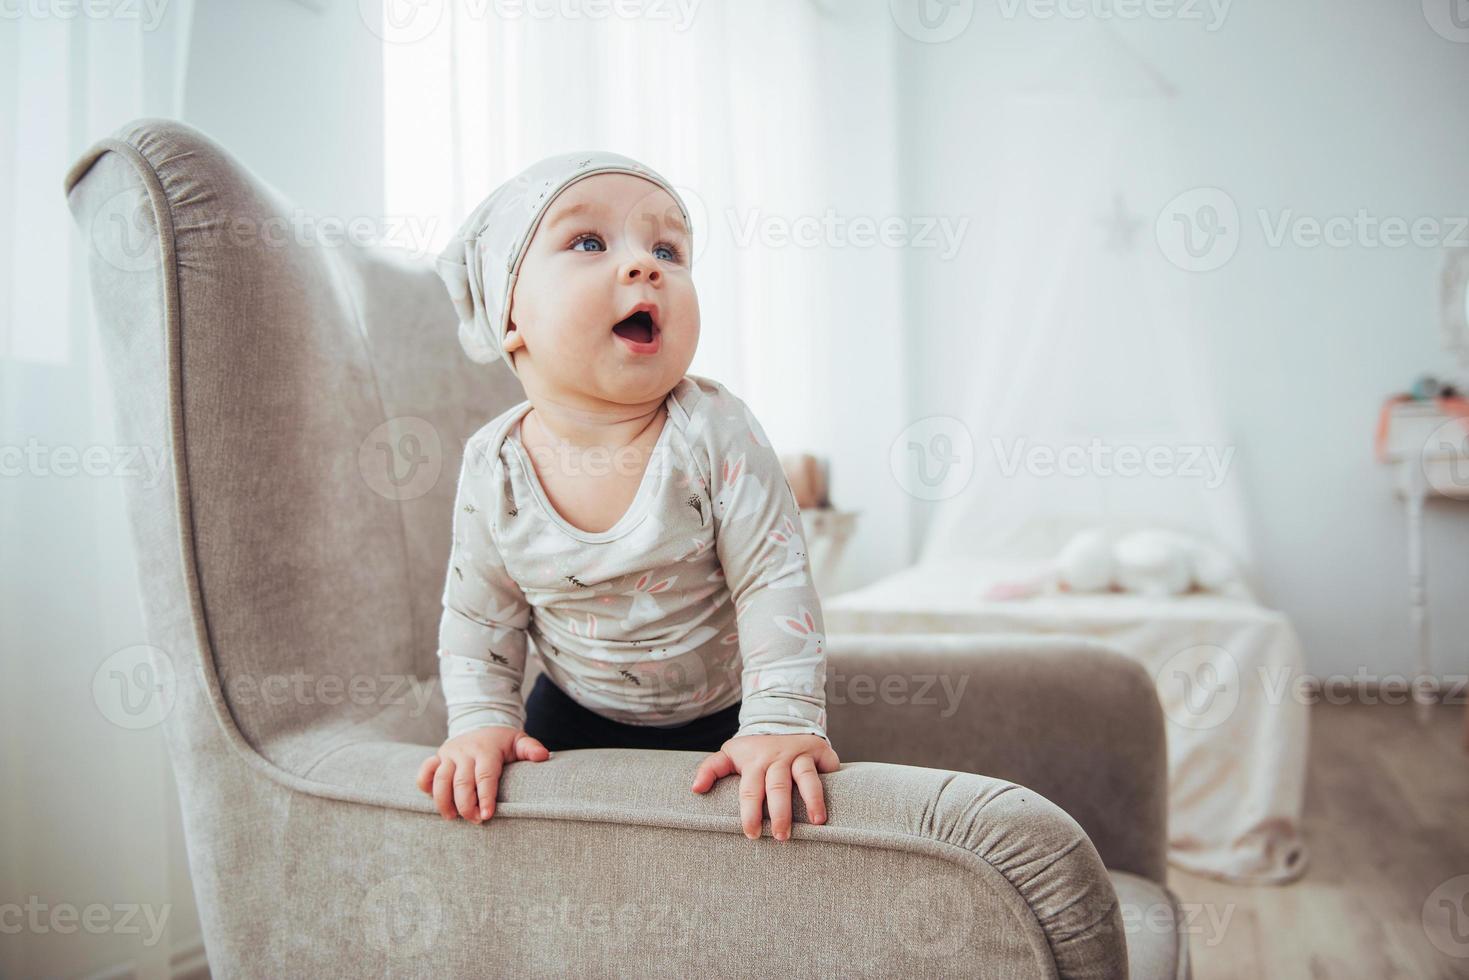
(513,339)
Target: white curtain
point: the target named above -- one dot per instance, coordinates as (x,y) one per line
(748,107)
(1089,402)
(88,812)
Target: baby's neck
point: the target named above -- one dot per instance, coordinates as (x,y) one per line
(586,425)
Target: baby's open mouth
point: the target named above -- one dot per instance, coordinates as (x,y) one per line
(638,328)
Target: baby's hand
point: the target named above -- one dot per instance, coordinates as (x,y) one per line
(465,773)
(766,764)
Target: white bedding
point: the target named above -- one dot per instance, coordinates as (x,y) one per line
(1227,671)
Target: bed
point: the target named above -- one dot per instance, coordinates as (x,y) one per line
(1228,671)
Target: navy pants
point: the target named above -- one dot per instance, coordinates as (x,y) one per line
(559,722)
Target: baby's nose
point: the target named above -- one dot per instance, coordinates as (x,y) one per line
(642,268)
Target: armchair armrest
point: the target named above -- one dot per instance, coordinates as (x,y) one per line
(1074,720)
(916,871)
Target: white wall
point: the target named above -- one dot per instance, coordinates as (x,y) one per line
(1321,107)
(296,94)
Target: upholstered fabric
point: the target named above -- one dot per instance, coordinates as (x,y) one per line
(1156,926)
(292,585)
(1072,719)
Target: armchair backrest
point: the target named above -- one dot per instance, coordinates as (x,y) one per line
(314,401)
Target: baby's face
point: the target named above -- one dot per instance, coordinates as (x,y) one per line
(605,303)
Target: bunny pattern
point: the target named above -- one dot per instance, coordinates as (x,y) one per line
(698,598)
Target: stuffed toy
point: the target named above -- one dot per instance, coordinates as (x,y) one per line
(1151,562)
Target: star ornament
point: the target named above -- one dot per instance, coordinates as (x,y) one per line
(1121,226)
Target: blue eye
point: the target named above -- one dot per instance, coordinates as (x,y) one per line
(583,239)
(665,252)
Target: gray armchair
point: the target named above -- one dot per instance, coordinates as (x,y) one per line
(292,582)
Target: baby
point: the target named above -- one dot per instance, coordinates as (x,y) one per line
(629,522)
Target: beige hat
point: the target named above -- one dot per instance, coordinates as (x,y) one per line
(480,264)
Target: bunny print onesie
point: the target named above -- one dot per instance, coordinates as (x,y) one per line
(698,598)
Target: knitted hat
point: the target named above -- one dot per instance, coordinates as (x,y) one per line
(481,263)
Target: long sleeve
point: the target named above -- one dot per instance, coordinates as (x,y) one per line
(761,547)
(482,634)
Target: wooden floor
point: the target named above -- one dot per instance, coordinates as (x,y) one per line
(1387,821)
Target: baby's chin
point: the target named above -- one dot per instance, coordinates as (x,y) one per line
(640,386)
(627,384)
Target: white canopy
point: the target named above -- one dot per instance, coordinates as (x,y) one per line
(1091,400)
